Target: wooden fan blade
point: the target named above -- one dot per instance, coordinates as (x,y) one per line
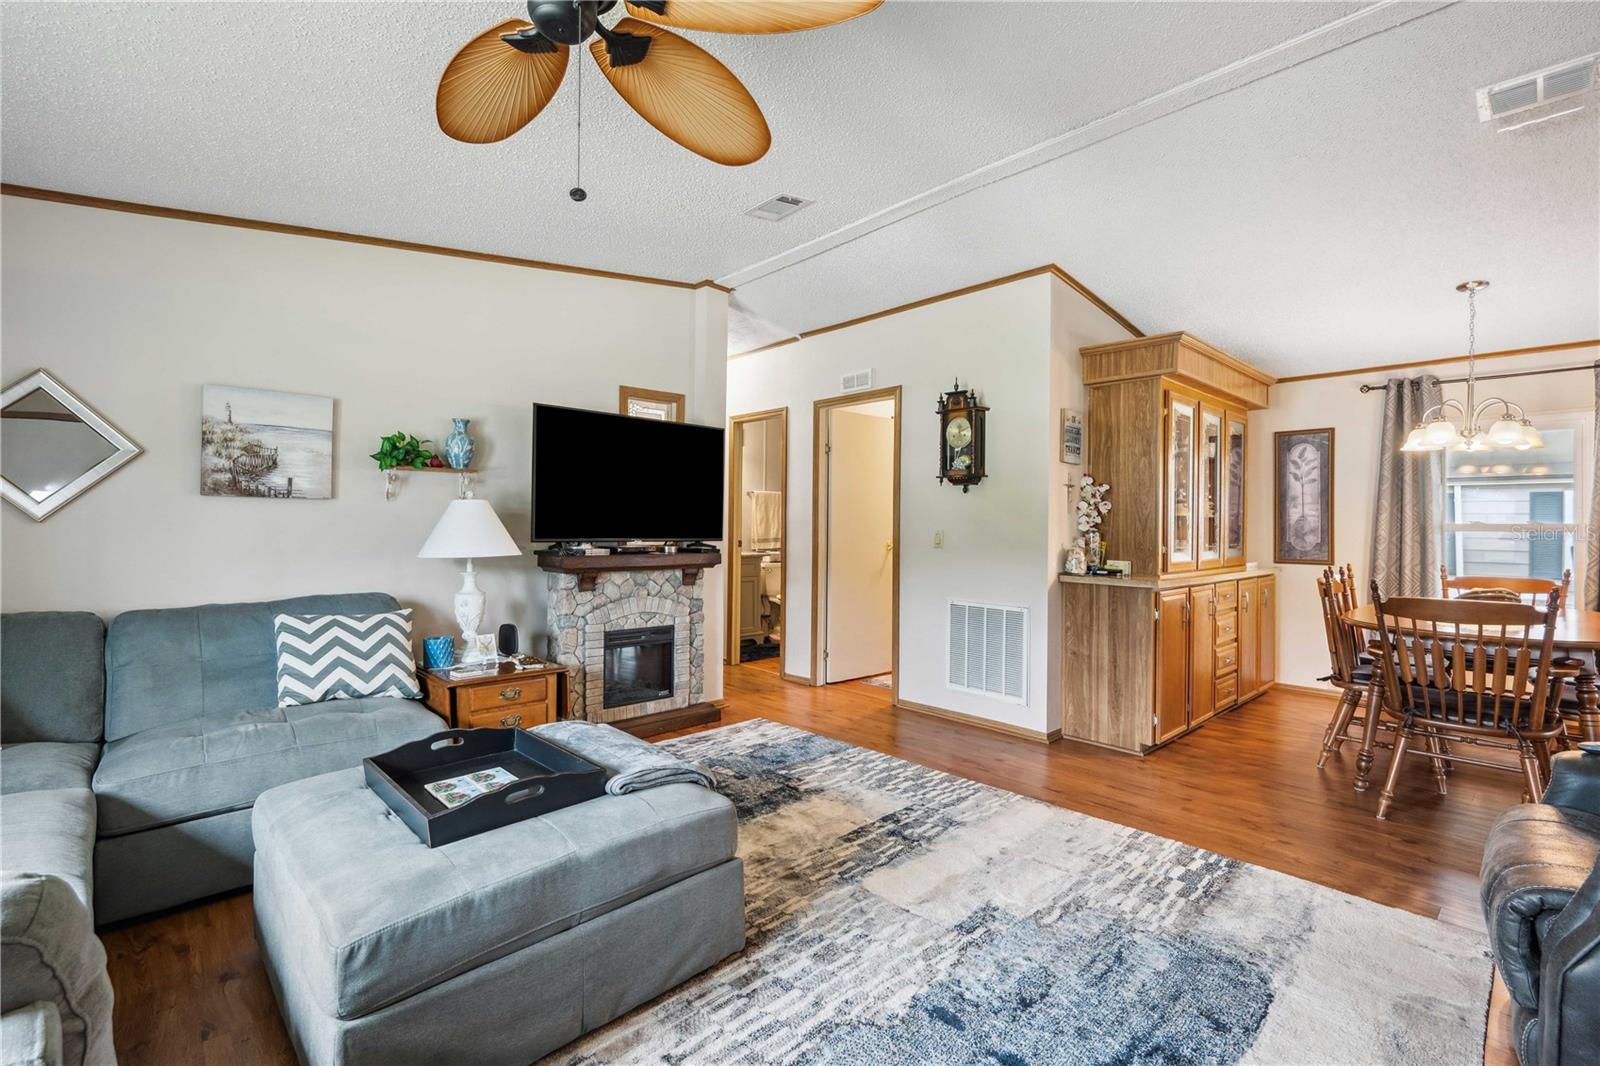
(754,16)
(491,90)
(681,90)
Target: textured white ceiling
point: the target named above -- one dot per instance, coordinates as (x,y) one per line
(1315,217)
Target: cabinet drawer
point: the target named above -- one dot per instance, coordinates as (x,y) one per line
(510,716)
(509,693)
(1227,659)
(1227,691)
(1227,595)
(1227,626)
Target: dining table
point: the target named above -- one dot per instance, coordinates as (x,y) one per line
(1576,632)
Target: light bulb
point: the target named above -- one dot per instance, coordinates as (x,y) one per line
(1506,433)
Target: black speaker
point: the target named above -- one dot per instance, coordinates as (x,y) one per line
(508,639)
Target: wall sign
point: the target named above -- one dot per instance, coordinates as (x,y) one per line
(1071,437)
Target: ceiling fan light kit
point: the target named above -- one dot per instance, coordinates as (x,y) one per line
(503,78)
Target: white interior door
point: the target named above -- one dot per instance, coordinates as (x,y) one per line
(859,542)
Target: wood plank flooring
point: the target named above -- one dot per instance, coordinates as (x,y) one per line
(190,988)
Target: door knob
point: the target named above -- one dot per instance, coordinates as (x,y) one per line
(888,545)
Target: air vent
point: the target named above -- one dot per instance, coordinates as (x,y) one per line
(778,208)
(988,650)
(856,381)
(1551,91)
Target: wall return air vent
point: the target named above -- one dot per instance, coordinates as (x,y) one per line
(855,381)
(988,650)
(778,208)
(1538,97)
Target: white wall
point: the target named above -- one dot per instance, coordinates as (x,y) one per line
(136,313)
(1356,418)
(1016,344)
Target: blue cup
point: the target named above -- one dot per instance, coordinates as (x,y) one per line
(439,652)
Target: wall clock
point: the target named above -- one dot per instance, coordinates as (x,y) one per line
(961,454)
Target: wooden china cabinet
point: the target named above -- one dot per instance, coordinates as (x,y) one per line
(1193,631)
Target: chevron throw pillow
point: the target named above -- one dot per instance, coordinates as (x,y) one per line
(344,657)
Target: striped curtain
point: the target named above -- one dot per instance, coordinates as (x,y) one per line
(1591,535)
(1408,518)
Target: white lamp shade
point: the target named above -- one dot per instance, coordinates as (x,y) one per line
(468,529)
(1441,431)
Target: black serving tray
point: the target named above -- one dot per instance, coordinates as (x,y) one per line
(549,777)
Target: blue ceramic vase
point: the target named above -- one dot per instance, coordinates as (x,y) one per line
(458,446)
(439,653)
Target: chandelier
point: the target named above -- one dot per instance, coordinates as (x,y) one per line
(1437,431)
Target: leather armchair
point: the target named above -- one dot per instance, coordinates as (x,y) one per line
(1540,887)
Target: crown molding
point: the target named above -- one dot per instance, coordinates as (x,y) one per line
(79,200)
(967,290)
(1565,346)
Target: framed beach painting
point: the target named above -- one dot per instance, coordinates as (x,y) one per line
(1302,523)
(272,445)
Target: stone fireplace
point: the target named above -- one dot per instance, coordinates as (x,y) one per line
(586,605)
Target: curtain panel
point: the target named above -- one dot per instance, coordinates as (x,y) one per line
(1408,515)
(1591,534)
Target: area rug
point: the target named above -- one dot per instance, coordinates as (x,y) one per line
(880,681)
(900,915)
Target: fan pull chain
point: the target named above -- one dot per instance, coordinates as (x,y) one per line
(577,193)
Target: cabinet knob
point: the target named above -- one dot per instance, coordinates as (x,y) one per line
(511,720)
(509,694)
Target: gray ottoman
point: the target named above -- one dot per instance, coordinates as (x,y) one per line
(495,949)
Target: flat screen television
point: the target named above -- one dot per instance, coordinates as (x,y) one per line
(606,477)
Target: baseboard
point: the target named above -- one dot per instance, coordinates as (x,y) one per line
(795,679)
(649,725)
(1035,735)
(1310,690)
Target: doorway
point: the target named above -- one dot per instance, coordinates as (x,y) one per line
(758,519)
(855,557)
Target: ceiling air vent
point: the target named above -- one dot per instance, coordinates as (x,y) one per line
(778,208)
(1538,97)
(856,381)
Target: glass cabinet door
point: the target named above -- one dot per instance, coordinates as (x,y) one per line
(1208,517)
(1181,413)
(1233,493)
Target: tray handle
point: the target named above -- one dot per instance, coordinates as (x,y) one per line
(450,738)
(516,794)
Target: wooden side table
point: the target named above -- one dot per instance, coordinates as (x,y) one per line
(510,698)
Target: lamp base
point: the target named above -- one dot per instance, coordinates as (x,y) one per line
(469,615)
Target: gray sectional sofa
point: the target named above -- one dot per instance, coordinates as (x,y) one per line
(129,763)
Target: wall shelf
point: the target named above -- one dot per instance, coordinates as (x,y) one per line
(391,477)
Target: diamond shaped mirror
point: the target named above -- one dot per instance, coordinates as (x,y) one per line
(53,446)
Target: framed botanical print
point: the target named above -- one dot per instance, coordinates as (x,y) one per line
(1302,521)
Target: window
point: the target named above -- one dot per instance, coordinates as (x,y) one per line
(1516,514)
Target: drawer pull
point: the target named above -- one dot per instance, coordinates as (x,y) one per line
(511,720)
(509,694)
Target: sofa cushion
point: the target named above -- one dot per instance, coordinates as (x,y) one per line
(221,762)
(50,954)
(46,765)
(54,682)
(344,657)
(380,916)
(168,666)
(31,1035)
(50,832)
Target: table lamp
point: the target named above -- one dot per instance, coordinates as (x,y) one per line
(469,529)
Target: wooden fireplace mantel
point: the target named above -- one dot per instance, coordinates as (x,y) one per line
(590,568)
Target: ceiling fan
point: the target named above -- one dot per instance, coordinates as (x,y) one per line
(505,76)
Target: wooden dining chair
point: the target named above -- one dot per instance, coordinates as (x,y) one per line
(1529,590)
(1470,673)
(1350,669)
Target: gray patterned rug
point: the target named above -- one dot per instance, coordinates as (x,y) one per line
(902,915)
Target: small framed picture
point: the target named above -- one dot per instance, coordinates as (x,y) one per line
(1302,521)
(1071,437)
(482,647)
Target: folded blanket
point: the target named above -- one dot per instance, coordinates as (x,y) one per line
(634,763)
